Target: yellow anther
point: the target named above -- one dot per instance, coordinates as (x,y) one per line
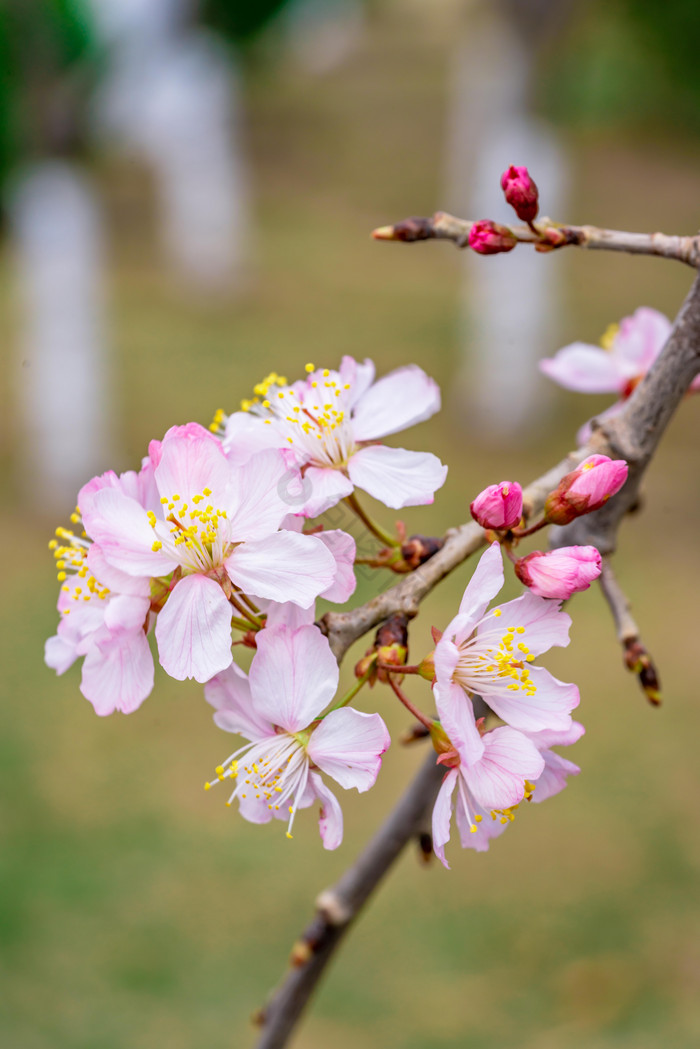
(529,658)
(157,545)
(207,786)
(325,373)
(61,577)
(53,543)
(473,829)
(520,630)
(75,518)
(164,499)
(309,368)
(497,612)
(66,611)
(478,819)
(290,836)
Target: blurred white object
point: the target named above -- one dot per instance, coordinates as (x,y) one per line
(172,95)
(322,34)
(510,302)
(64,376)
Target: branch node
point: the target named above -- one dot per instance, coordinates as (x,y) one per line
(334,911)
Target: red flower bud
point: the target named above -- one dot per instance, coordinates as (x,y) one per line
(499,506)
(585,489)
(559,573)
(489,238)
(520,192)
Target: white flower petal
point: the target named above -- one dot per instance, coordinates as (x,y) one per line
(397,477)
(283,567)
(348,745)
(584,368)
(293,677)
(400,399)
(193,630)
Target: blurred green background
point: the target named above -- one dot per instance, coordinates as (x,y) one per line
(136,910)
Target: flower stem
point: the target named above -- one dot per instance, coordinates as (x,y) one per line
(367,521)
(519,533)
(253,620)
(409,706)
(351,693)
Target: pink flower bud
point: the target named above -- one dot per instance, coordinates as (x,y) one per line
(552,238)
(499,506)
(559,573)
(521,192)
(585,489)
(489,238)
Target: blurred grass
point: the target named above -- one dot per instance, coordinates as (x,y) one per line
(134,909)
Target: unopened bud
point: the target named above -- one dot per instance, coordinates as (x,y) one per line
(426,668)
(520,192)
(500,506)
(490,238)
(364,665)
(409,230)
(585,489)
(551,238)
(558,574)
(638,660)
(419,549)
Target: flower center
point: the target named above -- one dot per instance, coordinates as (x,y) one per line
(70,552)
(195,533)
(273,772)
(484,667)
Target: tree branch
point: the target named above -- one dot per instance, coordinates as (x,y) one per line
(443,226)
(634,435)
(338,907)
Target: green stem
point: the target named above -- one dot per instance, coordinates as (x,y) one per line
(522,533)
(352,692)
(367,521)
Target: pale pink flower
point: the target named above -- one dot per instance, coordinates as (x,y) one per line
(626,354)
(557,574)
(557,769)
(214,535)
(520,192)
(279,708)
(500,506)
(331,423)
(491,653)
(488,788)
(585,489)
(105,624)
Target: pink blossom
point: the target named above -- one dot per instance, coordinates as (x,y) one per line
(559,573)
(585,489)
(213,536)
(500,506)
(278,708)
(492,654)
(626,354)
(490,238)
(331,423)
(520,192)
(488,788)
(107,624)
(553,778)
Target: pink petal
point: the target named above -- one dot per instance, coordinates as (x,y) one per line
(229,694)
(640,340)
(584,368)
(348,746)
(549,708)
(397,477)
(120,526)
(193,630)
(59,653)
(283,567)
(330,820)
(342,547)
(262,488)
(246,435)
(126,614)
(485,583)
(192,459)
(498,779)
(545,624)
(359,376)
(456,715)
(288,614)
(551,738)
(323,489)
(442,815)
(111,577)
(486,828)
(118,673)
(293,677)
(400,399)
(553,778)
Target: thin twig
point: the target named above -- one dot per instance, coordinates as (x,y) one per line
(634,653)
(443,226)
(337,908)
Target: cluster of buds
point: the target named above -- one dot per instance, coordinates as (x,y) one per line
(559,573)
(390,650)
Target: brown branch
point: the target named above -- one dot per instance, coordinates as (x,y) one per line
(442,226)
(634,653)
(337,908)
(633,435)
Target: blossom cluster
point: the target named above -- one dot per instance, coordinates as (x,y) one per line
(211,548)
